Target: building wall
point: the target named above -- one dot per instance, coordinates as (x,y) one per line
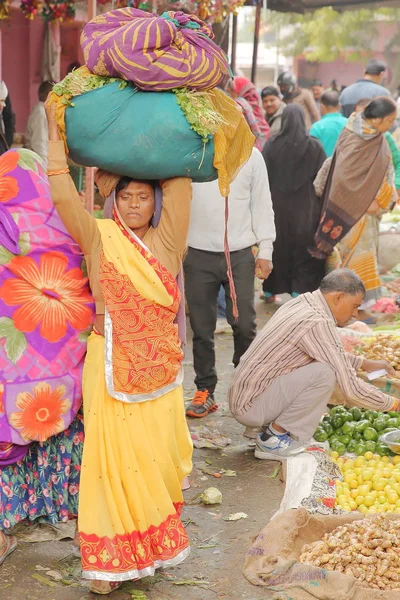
(22,47)
(70,45)
(21,59)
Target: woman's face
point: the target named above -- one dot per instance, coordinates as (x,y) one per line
(383,125)
(136,204)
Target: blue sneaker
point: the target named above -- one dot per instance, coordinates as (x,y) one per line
(277,447)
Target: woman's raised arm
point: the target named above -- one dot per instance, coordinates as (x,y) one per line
(77,220)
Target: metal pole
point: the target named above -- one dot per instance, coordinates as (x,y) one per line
(256,39)
(278,44)
(89,178)
(234,42)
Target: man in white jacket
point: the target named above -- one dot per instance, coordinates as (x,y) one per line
(37,133)
(251,222)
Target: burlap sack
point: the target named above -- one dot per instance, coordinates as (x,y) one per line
(385,384)
(272,561)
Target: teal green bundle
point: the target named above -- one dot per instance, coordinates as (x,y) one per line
(144,135)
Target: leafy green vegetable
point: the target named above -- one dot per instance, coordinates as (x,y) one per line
(199,112)
(75,84)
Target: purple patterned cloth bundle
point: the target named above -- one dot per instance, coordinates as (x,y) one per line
(155,52)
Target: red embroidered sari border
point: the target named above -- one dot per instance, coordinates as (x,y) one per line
(126,556)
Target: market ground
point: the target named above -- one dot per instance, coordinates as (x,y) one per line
(214,569)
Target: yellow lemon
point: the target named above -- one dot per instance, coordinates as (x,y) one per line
(368,455)
(334,455)
(360,461)
(368,500)
(359,500)
(362,508)
(392,497)
(385,459)
(367,475)
(378,485)
(396,460)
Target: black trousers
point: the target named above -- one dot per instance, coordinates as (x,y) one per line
(205,272)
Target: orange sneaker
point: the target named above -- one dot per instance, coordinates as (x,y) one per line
(203,403)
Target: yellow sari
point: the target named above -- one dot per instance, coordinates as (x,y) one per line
(359,248)
(137,445)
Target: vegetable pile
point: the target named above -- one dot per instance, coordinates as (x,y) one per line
(381,347)
(367,550)
(371,483)
(356,430)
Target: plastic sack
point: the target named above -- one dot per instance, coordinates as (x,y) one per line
(143,135)
(156,53)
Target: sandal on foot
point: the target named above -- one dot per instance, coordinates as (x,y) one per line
(104,587)
(8,546)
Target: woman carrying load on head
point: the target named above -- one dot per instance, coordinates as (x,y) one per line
(246,95)
(137,445)
(46,309)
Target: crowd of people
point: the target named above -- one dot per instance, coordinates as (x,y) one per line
(323,170)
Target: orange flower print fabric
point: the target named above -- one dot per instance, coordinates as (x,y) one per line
(46,311)
(8,185)
(40,413)
(48,295)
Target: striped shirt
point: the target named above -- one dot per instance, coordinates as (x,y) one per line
(301,332)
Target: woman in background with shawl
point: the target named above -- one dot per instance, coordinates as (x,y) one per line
(245,94)
(137,444)
(357,188)
(46,310)
(293,159)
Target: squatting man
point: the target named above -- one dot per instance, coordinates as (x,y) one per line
(285,379)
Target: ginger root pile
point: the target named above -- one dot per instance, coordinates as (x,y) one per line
(382,347)
(368,549)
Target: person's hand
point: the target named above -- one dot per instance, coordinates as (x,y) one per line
(376,365)
(50,109)
(263,268)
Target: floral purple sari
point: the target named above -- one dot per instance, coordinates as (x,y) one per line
(46,311)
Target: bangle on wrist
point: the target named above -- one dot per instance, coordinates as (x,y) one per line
(59,172)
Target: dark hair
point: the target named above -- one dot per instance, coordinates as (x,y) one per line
(72,66)
(330,98)
(344,281)
(375,67)
(44,90)
(317,82)
(270,90)
(125,181)
(379,108)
